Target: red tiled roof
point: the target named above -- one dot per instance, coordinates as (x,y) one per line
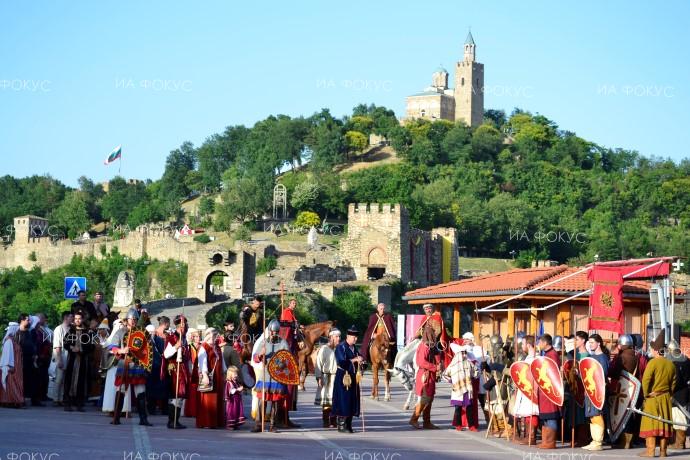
(521,279)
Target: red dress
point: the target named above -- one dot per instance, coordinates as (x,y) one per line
(13,395)
(193,395)
(211,405)
(181,381)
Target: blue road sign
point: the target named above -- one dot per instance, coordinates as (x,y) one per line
(74,284)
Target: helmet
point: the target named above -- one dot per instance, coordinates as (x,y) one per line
(133,313)
(558,343)
(468,336)
(496,340)
(274,325)
(672,346)
(625,339)
(637,340)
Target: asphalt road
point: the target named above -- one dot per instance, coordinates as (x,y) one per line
(52,434)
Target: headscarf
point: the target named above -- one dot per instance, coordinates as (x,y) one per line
(7,359)
(209,332)
(33,322)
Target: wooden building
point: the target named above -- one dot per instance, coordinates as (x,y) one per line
(461,303)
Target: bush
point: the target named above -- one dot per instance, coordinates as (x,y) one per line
(32,256)
(266,264)
(203,238)
(307,219)
(352,307)
(242,234)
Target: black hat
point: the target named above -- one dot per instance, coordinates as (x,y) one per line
(352,330)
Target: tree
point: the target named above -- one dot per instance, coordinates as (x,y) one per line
(72,214)
(306,195)
(122,198)
(173,186)
(356,141)
(307,219)
(486,143)
(243,198)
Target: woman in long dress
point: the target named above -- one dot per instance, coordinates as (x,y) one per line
(460,373)
(110,363)
(194,340)
(211,404)
(11,371)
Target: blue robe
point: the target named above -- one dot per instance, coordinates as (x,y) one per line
(345,401)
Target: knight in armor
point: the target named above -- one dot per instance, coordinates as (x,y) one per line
(177,356)
(627,359)
(681,394)
(346,389)
(291,333)
(495,386)
(380,322)
(267,388)
(549,412)
(658,382)
(138,366)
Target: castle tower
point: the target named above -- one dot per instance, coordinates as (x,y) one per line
(439,79)
(469,86)
(29,227)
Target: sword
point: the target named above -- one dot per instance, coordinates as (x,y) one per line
(654,417)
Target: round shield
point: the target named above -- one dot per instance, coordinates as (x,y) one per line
(248,376)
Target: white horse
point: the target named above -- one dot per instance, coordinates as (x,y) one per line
(405,369)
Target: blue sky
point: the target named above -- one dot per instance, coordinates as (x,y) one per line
(78,78)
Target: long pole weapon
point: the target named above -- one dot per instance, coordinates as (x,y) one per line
(358,381)
(573,390)
(488,394)
(562,374)
(178,358)
(263,363)
(531,417)
(119,394)
(515,358)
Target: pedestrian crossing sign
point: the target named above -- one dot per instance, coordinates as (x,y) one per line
(74,284)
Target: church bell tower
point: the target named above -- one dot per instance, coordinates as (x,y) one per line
(469,86)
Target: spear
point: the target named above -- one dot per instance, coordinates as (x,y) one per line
(263,363)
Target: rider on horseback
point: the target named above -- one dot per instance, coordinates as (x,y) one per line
(380,322)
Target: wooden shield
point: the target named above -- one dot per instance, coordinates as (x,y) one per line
(592,375)
(140,348)
(577,389)
(522,377)
(547,376)
(624,393)
(283,368)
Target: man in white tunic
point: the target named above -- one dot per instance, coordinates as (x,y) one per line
(60,356)
(324,371)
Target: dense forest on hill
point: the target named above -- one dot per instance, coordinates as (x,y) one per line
(518,185)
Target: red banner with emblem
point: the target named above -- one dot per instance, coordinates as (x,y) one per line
(606,299)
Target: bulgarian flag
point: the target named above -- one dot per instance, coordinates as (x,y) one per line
(114,155)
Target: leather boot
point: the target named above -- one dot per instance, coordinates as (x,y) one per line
(650,442)
(426,414)
(118,409)
(141,409)
(663,444)
(348,425)
(507,431)
(325,419)
(548,438)
(341,425)
(415,415)
(679,443)
(518,432)
(624,441)
(174,413)
(530,436)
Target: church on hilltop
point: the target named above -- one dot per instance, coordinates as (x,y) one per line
(464,102)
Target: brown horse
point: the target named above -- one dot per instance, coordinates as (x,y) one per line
(312,333)
(380,356)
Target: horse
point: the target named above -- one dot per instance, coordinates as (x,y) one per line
(311,334)
(380,353)
(405,369)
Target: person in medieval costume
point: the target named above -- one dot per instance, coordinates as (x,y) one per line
(325,369)
(11,368)
(434,320)
(135,373)
(478,356)
(97,376)
(525,411)
(549,412)
(380,322)
(60,356)
(658,383)
(267,388)
(109,362)
(176,357)
(157,383)
(460,373)
(43,338)
(250,321)
(211,409)
(681,395)
(194,340)
(597,425)
(290,331)
(428,365)
(576,348)
(626,360)
(346,388)
(79,343)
